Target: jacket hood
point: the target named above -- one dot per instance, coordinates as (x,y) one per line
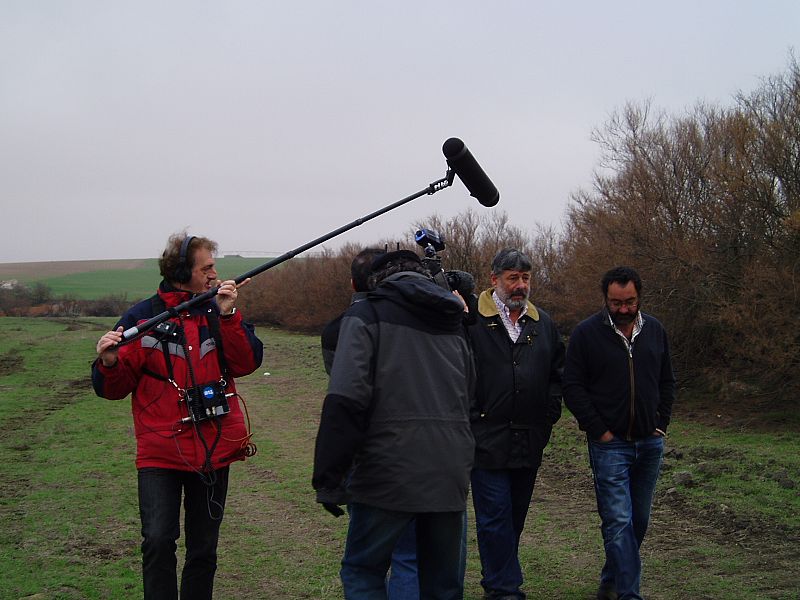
(434,305)
(488,308)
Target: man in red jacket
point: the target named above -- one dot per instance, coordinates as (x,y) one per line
(187,416)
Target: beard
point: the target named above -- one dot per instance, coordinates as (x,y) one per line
(621,319)
(514,301)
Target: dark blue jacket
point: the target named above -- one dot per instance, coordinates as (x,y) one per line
(608,389)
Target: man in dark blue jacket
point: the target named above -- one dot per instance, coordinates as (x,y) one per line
(518,355)
(619,384)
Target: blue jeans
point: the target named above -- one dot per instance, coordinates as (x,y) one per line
(160,493)
(372,536)
(625,475)
(501,498)
(403,583)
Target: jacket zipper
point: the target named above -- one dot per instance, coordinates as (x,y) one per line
(633,392)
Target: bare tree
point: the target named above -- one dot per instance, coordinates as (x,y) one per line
(705,205)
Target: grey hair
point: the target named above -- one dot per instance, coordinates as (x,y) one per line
(510,259)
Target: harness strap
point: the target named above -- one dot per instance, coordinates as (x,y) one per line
(153,374)
(159,307)
(212,318)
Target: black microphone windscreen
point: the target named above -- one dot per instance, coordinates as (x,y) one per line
(460,159)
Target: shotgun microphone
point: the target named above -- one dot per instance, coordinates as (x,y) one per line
(461,161)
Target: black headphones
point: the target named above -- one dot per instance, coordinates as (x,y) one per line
(182,271)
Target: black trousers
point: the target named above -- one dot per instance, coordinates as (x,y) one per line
(160,493)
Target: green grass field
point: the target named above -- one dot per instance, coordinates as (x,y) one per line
(136,280)
(69,526)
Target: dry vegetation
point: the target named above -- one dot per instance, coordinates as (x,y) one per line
(706,206)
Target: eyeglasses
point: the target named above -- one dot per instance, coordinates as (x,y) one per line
(629,303)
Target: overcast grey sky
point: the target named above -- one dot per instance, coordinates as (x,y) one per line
(266,124)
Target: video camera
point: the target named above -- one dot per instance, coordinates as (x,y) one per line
(457,281)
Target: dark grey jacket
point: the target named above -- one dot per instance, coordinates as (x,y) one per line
(330,335)
(397,406)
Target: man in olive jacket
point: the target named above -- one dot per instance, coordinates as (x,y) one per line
(519,355)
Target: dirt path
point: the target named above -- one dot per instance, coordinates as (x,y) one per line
(278,543)
(689,552)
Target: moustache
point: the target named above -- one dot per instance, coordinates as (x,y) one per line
(623,319)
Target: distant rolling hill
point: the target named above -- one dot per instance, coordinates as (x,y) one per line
(92,279)
(35,271)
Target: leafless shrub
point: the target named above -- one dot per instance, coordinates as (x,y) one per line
(706,207)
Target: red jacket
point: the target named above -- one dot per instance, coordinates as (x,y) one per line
(164,436)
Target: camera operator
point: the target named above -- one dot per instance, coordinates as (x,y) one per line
(397,411)
(403,583)
(187,417)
